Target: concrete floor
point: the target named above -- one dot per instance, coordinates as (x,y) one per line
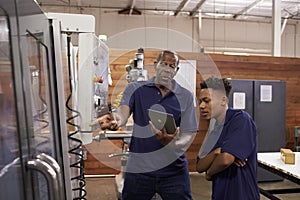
(105,188)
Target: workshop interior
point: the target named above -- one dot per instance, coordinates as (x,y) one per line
(63,64)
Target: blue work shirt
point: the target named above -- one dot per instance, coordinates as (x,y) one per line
(147,154)
(238,138)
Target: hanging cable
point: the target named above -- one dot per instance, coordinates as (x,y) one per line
(44,109)
(75,144)
(40,112)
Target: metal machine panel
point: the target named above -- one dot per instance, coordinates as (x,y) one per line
(269,109)
(92,65)
(84,23)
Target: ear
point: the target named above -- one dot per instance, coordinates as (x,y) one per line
(224,101)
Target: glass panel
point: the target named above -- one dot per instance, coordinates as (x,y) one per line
(37,56)
(10,171)
(38,63)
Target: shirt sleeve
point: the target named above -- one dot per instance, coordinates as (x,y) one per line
(240,138)
(127,97)
(189,122)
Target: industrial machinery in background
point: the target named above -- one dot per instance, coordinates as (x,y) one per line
(135,69)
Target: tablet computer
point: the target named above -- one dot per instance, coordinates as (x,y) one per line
(167,120)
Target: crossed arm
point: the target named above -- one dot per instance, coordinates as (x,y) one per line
(216,162)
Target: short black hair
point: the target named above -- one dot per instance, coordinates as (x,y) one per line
(162,54)
(217,84)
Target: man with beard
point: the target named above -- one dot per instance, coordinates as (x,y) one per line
(228,155)
(156,162)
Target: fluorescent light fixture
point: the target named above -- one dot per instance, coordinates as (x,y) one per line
(218,14)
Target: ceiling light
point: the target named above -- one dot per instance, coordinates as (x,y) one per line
(218,14)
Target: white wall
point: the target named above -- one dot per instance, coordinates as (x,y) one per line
(183,34)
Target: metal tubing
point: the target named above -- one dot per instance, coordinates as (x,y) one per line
(49,173)
(52,162)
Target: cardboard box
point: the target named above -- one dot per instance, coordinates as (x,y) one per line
(287,156)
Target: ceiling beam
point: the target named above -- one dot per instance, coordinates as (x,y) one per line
(130,10)
(181,6)
(246,9)
(132,4)
(197,7)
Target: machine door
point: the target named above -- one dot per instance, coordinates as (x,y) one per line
(30,146)
(10,165)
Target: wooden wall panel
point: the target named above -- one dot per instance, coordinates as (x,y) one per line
(235,67)
(98,160)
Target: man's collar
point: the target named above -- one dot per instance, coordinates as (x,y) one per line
(175,89)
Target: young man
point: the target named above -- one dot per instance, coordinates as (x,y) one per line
(229,153)
(156,163)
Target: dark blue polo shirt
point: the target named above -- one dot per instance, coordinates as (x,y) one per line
(147,154)
(239,138)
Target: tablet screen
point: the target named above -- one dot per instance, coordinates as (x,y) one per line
(162,119)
